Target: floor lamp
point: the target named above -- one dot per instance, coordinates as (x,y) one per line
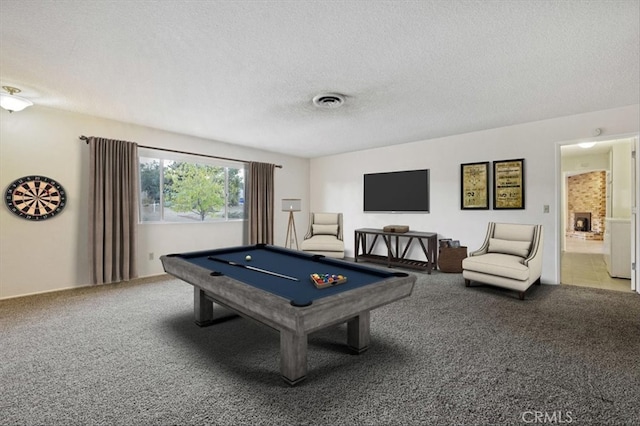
(291,205)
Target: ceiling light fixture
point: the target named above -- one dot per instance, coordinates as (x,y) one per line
(586,145)
(11,102)
(328,100)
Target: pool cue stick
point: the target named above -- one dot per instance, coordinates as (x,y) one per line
(253,268)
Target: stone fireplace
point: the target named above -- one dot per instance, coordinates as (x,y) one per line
(586,205)
(582,222)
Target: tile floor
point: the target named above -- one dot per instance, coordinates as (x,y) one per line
(583,265)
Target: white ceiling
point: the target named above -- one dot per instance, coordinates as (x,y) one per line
(244,72)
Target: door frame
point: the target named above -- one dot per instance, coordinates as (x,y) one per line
(635,215)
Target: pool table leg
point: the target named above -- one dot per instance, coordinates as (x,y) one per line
(358,334)
(293,357)
(202,308)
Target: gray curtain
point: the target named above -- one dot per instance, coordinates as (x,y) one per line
(261,202)
(113,210)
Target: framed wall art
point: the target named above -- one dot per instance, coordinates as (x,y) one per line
(508,184)
(474,186)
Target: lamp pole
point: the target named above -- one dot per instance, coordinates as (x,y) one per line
(291,232)
(291,205)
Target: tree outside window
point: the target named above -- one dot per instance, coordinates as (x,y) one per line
(182,191)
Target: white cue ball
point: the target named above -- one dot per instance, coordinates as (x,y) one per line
(247,258)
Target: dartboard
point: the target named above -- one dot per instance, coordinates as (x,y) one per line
(35,197)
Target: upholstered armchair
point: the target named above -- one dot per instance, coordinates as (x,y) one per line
(510,257)
(324,235)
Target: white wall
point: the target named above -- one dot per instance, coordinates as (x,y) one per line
(586,163)
(340,189)
(621,180)
(53,254)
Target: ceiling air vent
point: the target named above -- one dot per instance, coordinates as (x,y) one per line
(328,100)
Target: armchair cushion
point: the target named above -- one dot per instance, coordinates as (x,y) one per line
(322,243)
(498,264)
(325,218)
(319,229)
(516,248)
(514,231)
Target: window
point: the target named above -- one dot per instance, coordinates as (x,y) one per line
(179,190)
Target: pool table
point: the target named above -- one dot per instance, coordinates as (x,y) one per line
(275,288)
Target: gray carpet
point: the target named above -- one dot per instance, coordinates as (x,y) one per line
(130,354)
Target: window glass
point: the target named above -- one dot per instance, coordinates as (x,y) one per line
(187,191)
(150,209)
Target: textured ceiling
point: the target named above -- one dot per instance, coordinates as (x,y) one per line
(245,72)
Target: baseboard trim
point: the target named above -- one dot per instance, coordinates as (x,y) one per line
(135,281)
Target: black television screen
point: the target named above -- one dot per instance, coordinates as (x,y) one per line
(404,191)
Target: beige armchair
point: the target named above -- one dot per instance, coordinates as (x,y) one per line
(510,257)
(324,235)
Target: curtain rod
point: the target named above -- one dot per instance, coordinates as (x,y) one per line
(86,139)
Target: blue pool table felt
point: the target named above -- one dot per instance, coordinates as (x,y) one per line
(298,265)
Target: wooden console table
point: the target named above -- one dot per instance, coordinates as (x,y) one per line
(392,241)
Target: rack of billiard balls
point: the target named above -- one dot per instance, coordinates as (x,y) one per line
(327,280)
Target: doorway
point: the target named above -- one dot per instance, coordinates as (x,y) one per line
(597,180)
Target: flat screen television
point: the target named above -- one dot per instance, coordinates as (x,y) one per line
(397,192)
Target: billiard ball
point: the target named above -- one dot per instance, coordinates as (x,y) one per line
(247,258)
